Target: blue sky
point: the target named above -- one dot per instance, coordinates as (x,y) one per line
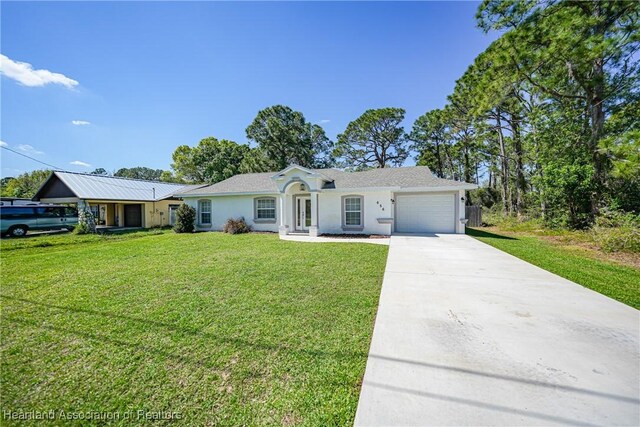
(147,77)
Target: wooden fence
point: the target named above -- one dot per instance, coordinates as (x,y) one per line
(474,215)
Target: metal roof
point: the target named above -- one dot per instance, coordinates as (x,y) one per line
(88,186)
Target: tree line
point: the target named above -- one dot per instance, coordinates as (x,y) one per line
(548,117)
(282,136)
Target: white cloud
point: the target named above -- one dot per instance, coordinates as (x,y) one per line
(28,149)
(79,163)
(80,122)
(323,121)
(24,74)
(3,144)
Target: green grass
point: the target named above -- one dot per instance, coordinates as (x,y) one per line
(64,238)
(616,281)
(225,330)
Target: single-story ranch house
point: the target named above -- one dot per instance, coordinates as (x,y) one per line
(115,201)
(331,201)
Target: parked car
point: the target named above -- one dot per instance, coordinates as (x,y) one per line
(18,220)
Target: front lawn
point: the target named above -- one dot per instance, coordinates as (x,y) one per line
(224,330)
(611,279)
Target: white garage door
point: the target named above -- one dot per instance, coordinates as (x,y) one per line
(425,213)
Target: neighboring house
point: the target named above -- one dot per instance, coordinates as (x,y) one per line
(331,201)
(115,201)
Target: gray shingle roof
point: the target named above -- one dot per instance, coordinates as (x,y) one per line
(88,186)
(244,183)
(406,177)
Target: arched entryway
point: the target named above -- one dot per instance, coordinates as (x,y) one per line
(299,209)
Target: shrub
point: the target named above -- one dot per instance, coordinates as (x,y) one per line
(185,219)
(82,228)
(236,226)
(495,217)
(617,218)
(617,239)
(617,231)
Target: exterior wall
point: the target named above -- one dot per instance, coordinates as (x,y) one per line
(290,210)
(156,214)
(119,215)
(461,213)
(110,218)
(225,207)
(378,215)
(377,205)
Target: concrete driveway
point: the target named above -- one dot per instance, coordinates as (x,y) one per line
(469,335)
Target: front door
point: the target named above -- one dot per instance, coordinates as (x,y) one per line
(133,215)
(303,213)
(172,214)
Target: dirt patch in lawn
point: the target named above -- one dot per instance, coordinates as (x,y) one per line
(592,250)
(577,243)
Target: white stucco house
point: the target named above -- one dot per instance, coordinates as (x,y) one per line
(332,201)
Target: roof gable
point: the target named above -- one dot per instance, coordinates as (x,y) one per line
(53,187)
(293,168)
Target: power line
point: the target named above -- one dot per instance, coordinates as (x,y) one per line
(35,160)
(85,175)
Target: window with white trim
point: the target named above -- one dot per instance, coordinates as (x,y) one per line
(265,208)
(204,211)
(353,211)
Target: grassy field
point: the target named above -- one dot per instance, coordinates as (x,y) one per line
(617,281)
(224,330)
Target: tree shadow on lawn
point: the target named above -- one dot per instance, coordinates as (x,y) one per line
(200,363)
(236,342)
(475,232)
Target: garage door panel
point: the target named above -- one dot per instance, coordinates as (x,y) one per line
(425,213)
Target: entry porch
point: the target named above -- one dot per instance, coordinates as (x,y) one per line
(115,214)
(298,210)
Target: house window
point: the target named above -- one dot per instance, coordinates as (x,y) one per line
(352,207)
(265,209)
(204,209)
(95,211)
